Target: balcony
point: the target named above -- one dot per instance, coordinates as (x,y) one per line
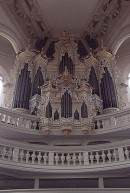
(113,122)
(51,159)
(13,123)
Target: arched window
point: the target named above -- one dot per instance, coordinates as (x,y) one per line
(1,84)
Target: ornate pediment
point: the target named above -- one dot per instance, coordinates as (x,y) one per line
(66,79)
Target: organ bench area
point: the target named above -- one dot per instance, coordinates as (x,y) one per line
(65,91)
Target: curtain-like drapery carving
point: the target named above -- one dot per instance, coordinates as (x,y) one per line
(66,105)
(48,110)
(23,89)
(108,90)
(66,61)
(93,81)
(38,81)
(84,110)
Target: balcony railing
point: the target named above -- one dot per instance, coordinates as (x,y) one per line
(60,157)
(105,122)
(113,120)
(10,117)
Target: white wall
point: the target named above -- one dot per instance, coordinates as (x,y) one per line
(7,61)
(123,62)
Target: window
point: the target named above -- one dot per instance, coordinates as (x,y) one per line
(129,80)
(1,84)
(128,88)
(1,90)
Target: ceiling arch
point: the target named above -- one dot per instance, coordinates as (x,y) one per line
(122,36)
(12,37)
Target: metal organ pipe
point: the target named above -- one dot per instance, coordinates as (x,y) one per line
(66,105)
(108,90)
(84,111)
(16,95)
(66,61)
(76,115)
(23,86)
(48,110)
(25,93)
(104,92)
(38,81)
(109,87)
(28,90)
(93,81)
(23,89)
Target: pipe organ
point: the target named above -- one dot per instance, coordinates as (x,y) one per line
(67,91)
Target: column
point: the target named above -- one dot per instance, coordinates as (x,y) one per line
(86,158)
(15,154)
(100,183)
(121,154)
(51,158)
(36,183)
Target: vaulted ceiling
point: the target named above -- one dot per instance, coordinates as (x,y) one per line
(71,15)
(47,19)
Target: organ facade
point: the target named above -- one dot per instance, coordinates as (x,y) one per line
(66,91)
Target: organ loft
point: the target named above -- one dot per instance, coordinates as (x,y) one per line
(65,91)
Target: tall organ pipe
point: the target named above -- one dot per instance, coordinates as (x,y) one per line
(66,105)
(48,110)
(84,111)
(22,89)
(38,81)
(108,90)
(93,81)
(66,61)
